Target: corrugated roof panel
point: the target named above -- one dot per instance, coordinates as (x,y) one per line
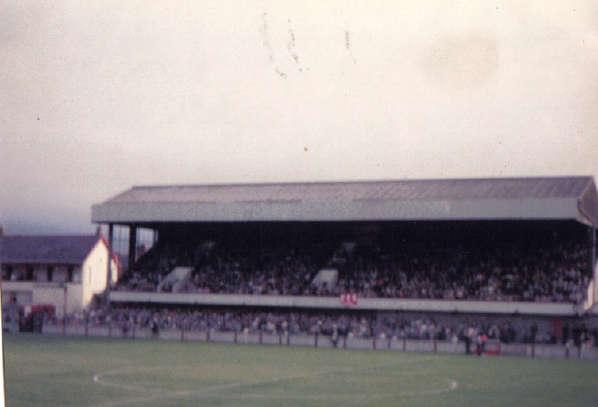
(417,189)
(331,195)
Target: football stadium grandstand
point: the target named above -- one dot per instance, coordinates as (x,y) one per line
(451,263)
(411,276)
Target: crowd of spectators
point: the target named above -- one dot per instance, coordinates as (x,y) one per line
(227,268)
(350,325)
(276,271)
(542,274)
(556,271)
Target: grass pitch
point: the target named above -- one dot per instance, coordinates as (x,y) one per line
(54,371)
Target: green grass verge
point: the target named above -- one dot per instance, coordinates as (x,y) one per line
(55,371)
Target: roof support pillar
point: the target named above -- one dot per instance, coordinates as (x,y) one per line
(132,246)
(593,268)
(110,255)
(592,253)
(593,247)
(594,271)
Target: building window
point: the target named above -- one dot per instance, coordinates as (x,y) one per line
(69,274)
(50,273)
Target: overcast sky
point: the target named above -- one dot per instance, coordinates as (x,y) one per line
(98,96)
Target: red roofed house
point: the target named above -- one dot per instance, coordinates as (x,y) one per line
(63,271)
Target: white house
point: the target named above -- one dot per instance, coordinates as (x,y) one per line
(62,271)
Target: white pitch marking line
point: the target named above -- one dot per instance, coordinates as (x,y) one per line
(161,394)
(453,384)
(97,378)
(199,392)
